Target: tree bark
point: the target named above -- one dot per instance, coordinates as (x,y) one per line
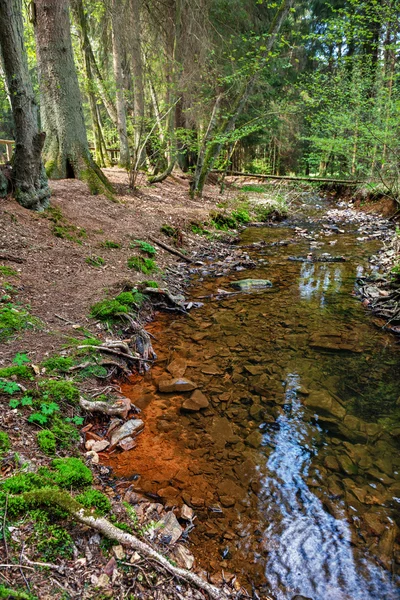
(116,24)
(29,178)
(66,151)
(137,68)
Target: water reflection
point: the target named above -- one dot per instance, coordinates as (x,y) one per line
(309,551)
(317,279)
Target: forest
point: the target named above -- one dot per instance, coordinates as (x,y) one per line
(199,299)
(297,88)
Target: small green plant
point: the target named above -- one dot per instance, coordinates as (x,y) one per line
(24,401)
(7,271)
(151,284)
(172,232)
(47,441)
(65,433)
(241,215)
(69,232)
(144,265)
(20,359)
(254,187)
(144,247)
(92,371)
(108,310)
(95,261)
(22,372)
(94,499)
(198,228)
(53,542)
(395,271)
(71,472)
(110,244)
(10,594)
(4,442)
(9,387)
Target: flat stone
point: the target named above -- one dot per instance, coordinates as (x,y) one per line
(247,285)
(99,446)
(170,530)
(180,384)
(323,403)
(128,429)
(339,342)
(177,367)
(227,501)
(196,402)
(127,444)
(331,463)
(118,552)
(347,465)
(245,471)
(229,488)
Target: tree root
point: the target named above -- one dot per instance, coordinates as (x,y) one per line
(49,497)
(120,407)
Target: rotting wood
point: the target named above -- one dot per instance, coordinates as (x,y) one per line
(169,249)
(120,407)
(290,178)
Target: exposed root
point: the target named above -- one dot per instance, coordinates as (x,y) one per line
(120,407)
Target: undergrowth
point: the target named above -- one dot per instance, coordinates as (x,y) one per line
(141,264)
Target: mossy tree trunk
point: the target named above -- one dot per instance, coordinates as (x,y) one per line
(66,151)
(28,178)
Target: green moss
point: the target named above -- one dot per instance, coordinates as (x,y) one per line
(241,215)
(50,167)
(95,261)
(95,499)
(7,271)
(47,441)
(144,247)
(53,542)
(71,472)
(6,592)
(133,298)
(58,364)
(20,371)
(65,433)
(92,371)
(59,391)
(151,284)
(24,482)
(110,244)
(14,319)
(168,230)
(69,232)
(144,265)
(4,442)
(106,310)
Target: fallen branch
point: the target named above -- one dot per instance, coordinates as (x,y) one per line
(41,564)
(120,407)
(116,352)
(49,497)
(170,250)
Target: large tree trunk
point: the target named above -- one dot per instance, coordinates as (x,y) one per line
(66,151)
(28,175)
(137,68)
(116,22)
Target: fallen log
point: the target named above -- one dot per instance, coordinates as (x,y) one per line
(118,408)
(292,178)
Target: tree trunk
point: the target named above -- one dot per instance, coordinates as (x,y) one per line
(116,14)
(205,163)
(137,68)
(66,151)
(81,23)
(28,175)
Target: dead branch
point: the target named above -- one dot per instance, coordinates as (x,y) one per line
(170,250)
(116,352)
(110,531)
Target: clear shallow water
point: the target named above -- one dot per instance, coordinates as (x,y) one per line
(294,469)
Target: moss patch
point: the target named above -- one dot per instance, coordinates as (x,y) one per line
(141,264)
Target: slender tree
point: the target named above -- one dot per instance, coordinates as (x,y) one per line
(28,175)
(66,151)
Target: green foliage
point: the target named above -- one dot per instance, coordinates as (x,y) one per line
(169,230)
(60,390)
(95,261)
(69,232)
(24,482)
(9,387)
(10,594)
(133,298)
(144,247)
(108,310)
(92,371)
(241,215)
(255,188)
(144,265)
(151,284)
(222,221)
(4,442)
(20,359)
(47,441)
(395,271)
(71,473)
(94,499)
(58,364)
(7,271)
(26,400)
(110,244)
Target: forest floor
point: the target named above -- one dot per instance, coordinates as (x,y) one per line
(44,269)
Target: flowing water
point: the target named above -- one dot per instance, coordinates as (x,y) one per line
(294,468)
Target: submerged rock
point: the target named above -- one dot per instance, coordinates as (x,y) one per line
(179,384)
(323,403)
(246,285)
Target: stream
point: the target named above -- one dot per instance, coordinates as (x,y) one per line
(293,469)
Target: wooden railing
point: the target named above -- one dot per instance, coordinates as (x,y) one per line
(9,150)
